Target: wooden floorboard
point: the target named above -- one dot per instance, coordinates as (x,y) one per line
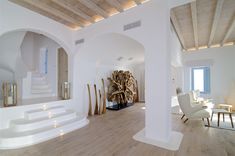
(111,135)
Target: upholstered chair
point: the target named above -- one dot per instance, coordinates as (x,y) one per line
(192,111)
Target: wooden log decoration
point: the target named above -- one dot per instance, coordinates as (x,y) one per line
(137,92)
(100,104)
(96,101)
(90,103)
(104,97)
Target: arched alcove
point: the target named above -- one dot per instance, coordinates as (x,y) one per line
(97,58)
(18,57)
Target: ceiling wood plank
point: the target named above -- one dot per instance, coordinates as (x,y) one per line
(137,2)
(216,18)
(53,11)
(73,9)
(115,4)
(94,7)
(194,19)
(229,31)
(177,28)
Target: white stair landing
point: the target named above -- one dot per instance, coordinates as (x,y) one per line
(42,127)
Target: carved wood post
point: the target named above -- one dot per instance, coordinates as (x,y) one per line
(100,103)
(90,103)
(96,101)
(104,97)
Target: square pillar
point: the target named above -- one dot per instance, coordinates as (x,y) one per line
(158,129)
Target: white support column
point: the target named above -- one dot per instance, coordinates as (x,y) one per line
(158,129)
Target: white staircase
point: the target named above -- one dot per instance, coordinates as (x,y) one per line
(39,125)
(40,86)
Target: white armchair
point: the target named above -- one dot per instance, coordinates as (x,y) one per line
(195,98)
(192,111)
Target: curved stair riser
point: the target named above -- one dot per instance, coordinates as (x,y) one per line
(23,141)
(44,113)
(19,127)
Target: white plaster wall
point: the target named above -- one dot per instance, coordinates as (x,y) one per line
(176,50)
(176,79)
(27,51)
(139,74)
(221,61)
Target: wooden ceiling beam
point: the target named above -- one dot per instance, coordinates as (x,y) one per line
(216,18)
(73,9)
(116,4)
(137,2)
(177,28)
(91,5)
(194,19)
(53,11)
(229,31)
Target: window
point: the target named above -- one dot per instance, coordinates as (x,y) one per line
(200,79)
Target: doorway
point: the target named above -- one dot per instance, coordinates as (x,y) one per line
(62,69)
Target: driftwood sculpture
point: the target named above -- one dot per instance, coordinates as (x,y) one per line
(122,87)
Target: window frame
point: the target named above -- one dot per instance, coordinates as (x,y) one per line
(206,79)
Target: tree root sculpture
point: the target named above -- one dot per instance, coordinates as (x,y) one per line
(122,87)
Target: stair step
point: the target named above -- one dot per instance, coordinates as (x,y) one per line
(39,83)
(40,113)
(26,125)
(41,78)
(36,86)
(40,91)
(10,139)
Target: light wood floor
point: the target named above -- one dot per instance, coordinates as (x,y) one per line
(111,135)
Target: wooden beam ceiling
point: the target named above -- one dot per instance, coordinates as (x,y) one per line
(230,30)
(75,10)
(216,18)
(43,6)
(95,8)
(116,4)
(137,2)
(77,13)
(205,24)
(194,19)
(177,28)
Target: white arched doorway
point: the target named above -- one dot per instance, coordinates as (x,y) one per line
(18,51)
(99,57)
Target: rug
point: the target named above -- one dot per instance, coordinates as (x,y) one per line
(223,125)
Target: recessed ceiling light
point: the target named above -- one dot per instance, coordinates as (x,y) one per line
(130,58)
(120,58)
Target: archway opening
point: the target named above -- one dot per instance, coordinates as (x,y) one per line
(32,58)
(102,56)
